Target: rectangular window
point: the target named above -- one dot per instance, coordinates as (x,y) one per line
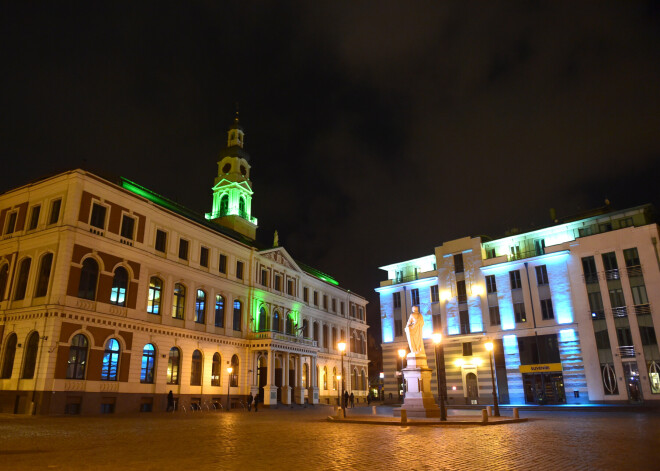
(34,217)
(361,313)
(434,294)
(97,218)
(546,309)
(589,269)
(464,318)
(352,310)
(306,294)
(609,261)
(461,291)
(414,297)
(596,305)
(183,249)
(519,312)
(325,302)
(334,305)
(11,222)
(490,253)
(239,270)
(494,315)
(542,275)
(278,282)
(161,241)
(396,299)
(55,211)
(458,263)
(467,349)
(290,287)
(222,264)
(491,285)
(316,298)
(631,257)
(437,323)
(264,277)
(514,276)
(342,308)
(127,227)
(204,257)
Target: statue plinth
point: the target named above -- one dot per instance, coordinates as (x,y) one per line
(418,400)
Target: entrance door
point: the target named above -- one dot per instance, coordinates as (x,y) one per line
(472,387)
(633,385)
(263,371)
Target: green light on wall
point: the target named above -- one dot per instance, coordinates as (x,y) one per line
(146,193)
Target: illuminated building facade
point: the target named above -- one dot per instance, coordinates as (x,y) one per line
(111,296)
(569,308)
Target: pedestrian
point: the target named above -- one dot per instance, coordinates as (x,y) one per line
(256,402)
(345,399)
(170,401)
(249,401)
(352,397)
(369,399)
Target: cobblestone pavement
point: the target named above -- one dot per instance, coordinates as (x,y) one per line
(302,439)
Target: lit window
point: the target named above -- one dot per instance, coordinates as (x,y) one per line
(77,358)
(110,361)
(155,293)
(119,286)
(200,306)
(178,307)
(148,364)
(173,366)
(219,311)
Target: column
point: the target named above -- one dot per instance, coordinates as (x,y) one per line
(286,389)
(299,392)
(270,390)
(313,396)
(254,386)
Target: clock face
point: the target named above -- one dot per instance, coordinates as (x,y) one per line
(226,168)
(243,170)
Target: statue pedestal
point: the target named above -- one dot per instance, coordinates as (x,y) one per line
(418,401)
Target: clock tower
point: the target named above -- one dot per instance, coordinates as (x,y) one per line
(232,189)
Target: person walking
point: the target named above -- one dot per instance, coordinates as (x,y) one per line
(170,401)
(352,398)
(249,402)
(256,402)
(369,398)
(345,399)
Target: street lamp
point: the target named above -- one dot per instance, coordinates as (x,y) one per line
(338,390)
(489,347)
(342,348)
(229,371)
(402,354)
(440,373)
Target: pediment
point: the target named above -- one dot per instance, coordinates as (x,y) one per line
(281,256)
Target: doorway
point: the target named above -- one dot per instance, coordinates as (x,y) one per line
(544,388)
(472,388)
(631,372)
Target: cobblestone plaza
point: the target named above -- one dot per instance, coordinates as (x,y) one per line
(303,439)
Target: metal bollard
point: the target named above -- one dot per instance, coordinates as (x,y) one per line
(515,413)
(484,416)
(490,411)
(373,410)
(404,416)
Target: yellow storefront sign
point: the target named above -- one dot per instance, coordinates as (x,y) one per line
(542,368)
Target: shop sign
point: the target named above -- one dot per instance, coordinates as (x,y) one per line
(541,368)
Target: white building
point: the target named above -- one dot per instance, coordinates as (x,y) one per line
(569,309)
(112,295)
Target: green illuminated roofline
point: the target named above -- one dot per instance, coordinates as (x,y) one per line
(318,274)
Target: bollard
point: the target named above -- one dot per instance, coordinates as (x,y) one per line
(373,410)
(340,413)
(484,416)
(337,410)
(515,413)
(489,409)
(404,416)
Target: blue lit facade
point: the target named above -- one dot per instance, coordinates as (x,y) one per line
(559,336)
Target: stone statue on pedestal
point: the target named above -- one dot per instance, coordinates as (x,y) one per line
(414,332)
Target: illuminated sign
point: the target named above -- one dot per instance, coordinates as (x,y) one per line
(542,368)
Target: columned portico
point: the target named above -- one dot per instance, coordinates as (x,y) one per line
(286,389)
(312,389)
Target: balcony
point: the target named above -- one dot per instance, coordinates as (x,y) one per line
(273,335)
(642,309)
(634,270)
(612,274)
(627,351)
(620,311)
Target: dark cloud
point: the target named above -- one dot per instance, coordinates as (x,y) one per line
(376,131)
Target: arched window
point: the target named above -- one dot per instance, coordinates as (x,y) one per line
(237,315)
(290,325)
(325,378)
(10,353)
(325,336)
(276,321)
(363,381)
(44,275)
(119,286)
(353,348)
(196,369)
(263,319)
(178,307)
(22,280)
(363,342)
(4,275)
(77,358)
(219,311)
(215,369)
(316,331)
(31,349)
(241,207)
(334,379)
(354,378)
(305,375)
(233,379)
(200,306)
(173,366)
(89,275)
(224,205)
(305,328)
(148,364)
(110,361)
(155,293)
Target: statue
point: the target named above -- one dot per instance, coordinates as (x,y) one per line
(414,332)
(276,239)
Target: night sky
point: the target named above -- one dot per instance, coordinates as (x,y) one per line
(377,130)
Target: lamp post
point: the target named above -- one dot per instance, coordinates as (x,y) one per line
(339,390)
(342,348)
(440,373)
(489,347)
(229,371)
(402,354)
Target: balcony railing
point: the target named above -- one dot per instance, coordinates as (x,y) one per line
(627,351)
(620,311)
(615,274)
(642,309)
(612,274)
(273,335)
